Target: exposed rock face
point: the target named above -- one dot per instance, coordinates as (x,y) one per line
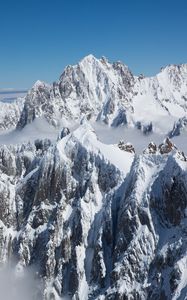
(166,147)
(10,113)
(147,212)
(93,231)
(65,131)
(151,149)
(37,103)
(178,127)
(128,147)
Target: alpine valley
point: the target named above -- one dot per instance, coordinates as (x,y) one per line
(93,184)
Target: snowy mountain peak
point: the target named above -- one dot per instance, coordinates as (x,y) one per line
(39,84)
(110,93)
(90,58)
(175,74)
(175,68)
(85,131)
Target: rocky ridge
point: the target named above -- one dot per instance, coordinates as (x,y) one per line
(95,230)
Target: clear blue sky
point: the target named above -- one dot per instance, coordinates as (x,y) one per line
(40,37)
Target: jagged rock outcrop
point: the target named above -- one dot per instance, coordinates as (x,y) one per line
(178,127)
(151,149)
(167,146)
(10,113)
(37,103)
(128,147)
(64,132)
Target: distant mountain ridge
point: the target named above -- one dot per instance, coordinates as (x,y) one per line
(110,93)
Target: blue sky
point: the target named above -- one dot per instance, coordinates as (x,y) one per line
(40,37)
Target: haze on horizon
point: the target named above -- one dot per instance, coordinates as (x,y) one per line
(41,37)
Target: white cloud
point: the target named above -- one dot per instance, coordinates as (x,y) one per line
(19,285)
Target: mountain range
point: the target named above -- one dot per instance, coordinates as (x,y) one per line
(98,220)
(105,92)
